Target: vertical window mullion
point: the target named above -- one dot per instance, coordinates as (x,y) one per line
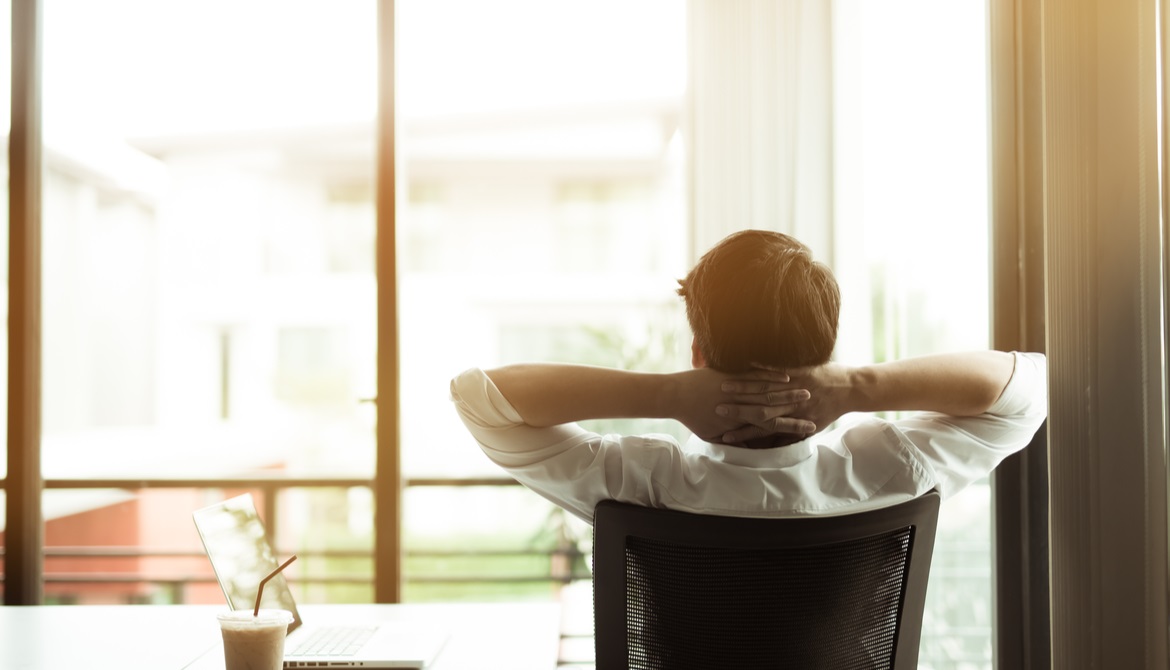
(388,473)
(24,534)
(1022,626)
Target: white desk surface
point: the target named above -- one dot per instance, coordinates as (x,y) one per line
(511,636)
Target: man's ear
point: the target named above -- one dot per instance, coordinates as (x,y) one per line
(697,358)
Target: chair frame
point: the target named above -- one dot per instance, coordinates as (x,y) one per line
(615,521)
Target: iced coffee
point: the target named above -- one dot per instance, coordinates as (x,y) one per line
(254,641)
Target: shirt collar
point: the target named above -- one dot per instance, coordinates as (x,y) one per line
(776,457)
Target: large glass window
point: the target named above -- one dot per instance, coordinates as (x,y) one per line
(208,280)
(209,292)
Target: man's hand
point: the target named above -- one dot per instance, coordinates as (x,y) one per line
(959,384)
(701,405)
(762,401)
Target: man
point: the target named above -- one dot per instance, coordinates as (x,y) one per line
(764,317)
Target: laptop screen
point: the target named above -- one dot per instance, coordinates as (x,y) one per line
(234,538)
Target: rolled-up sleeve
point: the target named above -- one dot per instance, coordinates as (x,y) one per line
(1026,396)
(962,450)
(566,464)
(499,428)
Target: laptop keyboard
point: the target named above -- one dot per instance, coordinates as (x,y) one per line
(333,641)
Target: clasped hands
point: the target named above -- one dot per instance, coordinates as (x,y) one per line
(787,404)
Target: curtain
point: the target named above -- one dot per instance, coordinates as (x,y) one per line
(760,120)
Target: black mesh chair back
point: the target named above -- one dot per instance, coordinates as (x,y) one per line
(674,590)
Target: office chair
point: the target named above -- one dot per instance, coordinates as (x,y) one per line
(675,590)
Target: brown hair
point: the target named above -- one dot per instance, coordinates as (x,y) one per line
(758,297)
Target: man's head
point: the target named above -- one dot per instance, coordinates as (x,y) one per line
(759,297)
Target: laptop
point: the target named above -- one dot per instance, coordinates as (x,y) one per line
(241,556)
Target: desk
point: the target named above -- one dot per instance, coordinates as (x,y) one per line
(512,636)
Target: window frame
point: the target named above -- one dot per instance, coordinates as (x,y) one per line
(388,482)
(1021,628)
(24,531)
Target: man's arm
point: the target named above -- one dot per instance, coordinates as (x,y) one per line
(549,394)
(959,384)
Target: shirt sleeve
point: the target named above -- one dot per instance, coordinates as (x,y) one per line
(543,459)
(962,450)
(566,464)
(499,429)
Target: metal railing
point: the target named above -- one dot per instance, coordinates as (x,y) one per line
(173,587)
(269,489)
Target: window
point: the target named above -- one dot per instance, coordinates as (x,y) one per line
(209,301)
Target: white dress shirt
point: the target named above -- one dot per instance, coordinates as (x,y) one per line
(866,463)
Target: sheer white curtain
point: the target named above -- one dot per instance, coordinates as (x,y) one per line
(774,124)
(760,119)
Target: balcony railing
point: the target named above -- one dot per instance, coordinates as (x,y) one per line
(172,587)
(268,488)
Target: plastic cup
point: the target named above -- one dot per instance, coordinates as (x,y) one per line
(254,642)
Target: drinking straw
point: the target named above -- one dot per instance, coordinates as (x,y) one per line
(259,591)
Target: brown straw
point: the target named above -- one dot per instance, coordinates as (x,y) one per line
(259,591)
